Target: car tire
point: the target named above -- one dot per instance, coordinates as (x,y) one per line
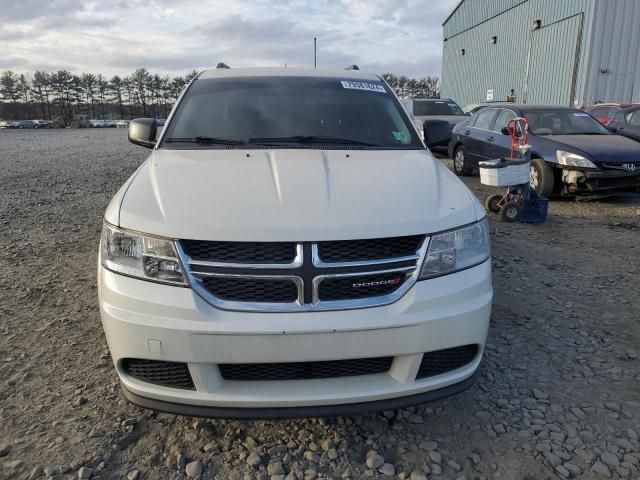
(542,177)
(461,165)
(510,212)
(492,203)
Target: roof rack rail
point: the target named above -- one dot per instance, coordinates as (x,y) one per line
(353,67)
(222,65)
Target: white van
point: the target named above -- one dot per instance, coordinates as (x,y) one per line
(291,248)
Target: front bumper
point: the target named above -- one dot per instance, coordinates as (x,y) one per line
(145,320)
(600,180)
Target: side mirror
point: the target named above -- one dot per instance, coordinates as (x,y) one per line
(436,132)
(142,131)
(505,131)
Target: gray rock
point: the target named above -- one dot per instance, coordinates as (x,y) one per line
(601,469)
(210,447)
(35,473)
(573,469)
(254,460)
(553,459)
(332,453)
(455,465)
(610,459)
(133,475)
(539,394)
(276,468)
(311,456)
(613,406)
(194,469)
(428,445)
(374,460)
(418,476)
(181,461)
(416,419)
(562,471)
(85,472)
(387,469)
(435,457)
(436,470)
(4,450)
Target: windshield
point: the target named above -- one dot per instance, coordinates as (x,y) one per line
(422,108)
(563,122)
(261,112)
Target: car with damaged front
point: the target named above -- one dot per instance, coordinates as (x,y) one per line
(572,153)
(291,248)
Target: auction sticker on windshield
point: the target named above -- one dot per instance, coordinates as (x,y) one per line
(369,87)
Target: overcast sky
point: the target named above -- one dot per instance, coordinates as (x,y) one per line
(175,36)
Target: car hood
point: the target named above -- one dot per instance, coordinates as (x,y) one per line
(452,119)
(601,148)
(294,195)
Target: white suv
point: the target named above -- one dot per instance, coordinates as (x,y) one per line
(291,248)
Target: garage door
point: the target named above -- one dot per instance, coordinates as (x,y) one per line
(552,65)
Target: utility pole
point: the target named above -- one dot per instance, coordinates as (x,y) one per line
(315,52)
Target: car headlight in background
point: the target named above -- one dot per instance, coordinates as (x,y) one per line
(456,250)
(141,256)
(573,160)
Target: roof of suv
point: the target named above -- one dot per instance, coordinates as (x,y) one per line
(288,72)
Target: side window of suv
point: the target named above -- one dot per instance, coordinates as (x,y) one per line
(485,118)
(504,117)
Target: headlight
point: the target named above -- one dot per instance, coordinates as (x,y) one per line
(456,250)
(573,160)
(141,256)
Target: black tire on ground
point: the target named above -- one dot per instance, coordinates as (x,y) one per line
(542,177)
(510,212)
(492,203)
(460,162)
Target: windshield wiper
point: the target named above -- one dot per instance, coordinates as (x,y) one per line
(206,140)
(322,139)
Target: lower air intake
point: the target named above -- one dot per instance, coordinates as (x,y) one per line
(443,361)
(166,374)
(304,370)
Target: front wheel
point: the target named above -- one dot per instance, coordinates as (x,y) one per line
(510,212)
(492,203)
(542,177)
(460,163)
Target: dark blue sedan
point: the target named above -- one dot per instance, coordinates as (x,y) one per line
(571,151)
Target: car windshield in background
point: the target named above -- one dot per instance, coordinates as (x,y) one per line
(438,107)
(563,122)
(256,112)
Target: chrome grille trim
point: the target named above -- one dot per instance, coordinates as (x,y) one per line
(197,270)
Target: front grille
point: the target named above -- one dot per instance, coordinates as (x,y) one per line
(351,288)
(304,370)
(372,249)
(240,252)
(289,276)
(262,290)
(442,361)
(167,374)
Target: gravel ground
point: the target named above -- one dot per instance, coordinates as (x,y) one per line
(558,394)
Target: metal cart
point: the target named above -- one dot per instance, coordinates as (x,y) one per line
(520,202)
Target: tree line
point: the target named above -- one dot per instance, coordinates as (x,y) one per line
(407,87)
(63,95)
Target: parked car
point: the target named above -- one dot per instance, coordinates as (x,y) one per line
(604,112)
(291,248)
(440,115)
(627,122)
(5,124)
(572,152)
(122,124)
(24,124)
(40,124)
(95,123)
